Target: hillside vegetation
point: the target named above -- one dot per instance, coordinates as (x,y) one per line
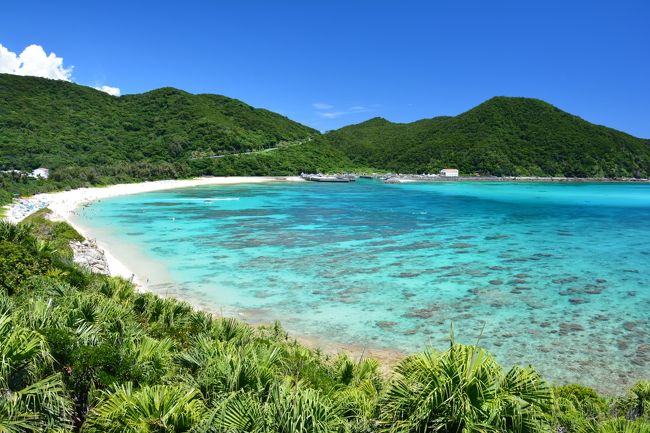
(87,137)
(84,135)
(503,136)
(55,123)
(86,352)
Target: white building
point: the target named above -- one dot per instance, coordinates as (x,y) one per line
(41,172)
(449,172)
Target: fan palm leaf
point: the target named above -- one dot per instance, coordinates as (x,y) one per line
(158,408)
(462,389)
(29,401)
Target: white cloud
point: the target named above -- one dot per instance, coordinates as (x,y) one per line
(35,62)
(113,91)
(322,106)
(8,61)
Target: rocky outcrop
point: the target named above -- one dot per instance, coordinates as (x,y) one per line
(88,254)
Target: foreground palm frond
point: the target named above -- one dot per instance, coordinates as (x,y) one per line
(219,367)
(150,409)
(288,409)
(463,389)
(617,425)
(29,401)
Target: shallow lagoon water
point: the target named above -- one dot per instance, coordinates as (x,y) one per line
(555,275)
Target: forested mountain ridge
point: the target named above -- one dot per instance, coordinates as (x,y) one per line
(85,137)
(502,136)
(68,127)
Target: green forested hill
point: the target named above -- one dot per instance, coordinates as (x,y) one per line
(79,132)
(88,137)
(503,136)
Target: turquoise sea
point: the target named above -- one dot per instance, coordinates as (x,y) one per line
(556,275)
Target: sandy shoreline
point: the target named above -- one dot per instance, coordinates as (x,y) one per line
(63,205)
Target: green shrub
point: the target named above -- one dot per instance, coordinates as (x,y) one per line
(17,265)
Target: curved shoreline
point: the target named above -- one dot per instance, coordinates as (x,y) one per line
(63,209)
(64,203)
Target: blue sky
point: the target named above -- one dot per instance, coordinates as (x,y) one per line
(332,63)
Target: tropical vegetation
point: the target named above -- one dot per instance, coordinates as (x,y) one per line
(84,352)
(87,137)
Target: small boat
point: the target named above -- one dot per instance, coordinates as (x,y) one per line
(324,178)
(327,179)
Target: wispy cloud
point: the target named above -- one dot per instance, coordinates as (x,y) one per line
(325,110)
(322,106)
(331,114)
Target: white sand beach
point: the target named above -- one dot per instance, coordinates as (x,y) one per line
(64,203)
